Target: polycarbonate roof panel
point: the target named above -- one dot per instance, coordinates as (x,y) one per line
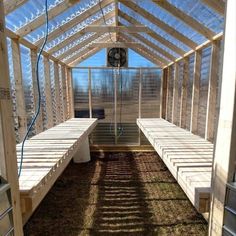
(194,8)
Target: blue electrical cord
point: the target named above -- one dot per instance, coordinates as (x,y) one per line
(38,86)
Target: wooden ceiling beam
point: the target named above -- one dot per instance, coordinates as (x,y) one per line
(75,21)
(11,5)
(78,34)
(171,31)
(153,34)
(216,5)
(188,20)
(116,29)
(117,45)
(52,13)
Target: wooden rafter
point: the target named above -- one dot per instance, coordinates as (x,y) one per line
(78,46)
(216,5)
(84,57)
(117,44)
(11,5)
(188,20)
(153,46)
(146,53)
(174,33)
(78,34)
(52,13)
(78,19)
(86,50)
(153,34)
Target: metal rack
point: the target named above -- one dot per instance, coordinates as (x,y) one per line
(8,211)
(229,228)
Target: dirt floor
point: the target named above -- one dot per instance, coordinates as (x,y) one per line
(116,194)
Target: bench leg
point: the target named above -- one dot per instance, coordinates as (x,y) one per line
(83,153)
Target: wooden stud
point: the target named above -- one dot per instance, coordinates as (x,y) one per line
(175,95)
(163,95)
(183,103)
(195,91)
(57,93)
(168,72)
(225,149)
(64,91)
(8,160)
(48,93)
(70,92)
(212,90)
(159,23)
(188,20)
(20,96)
(90,93)
(39,121)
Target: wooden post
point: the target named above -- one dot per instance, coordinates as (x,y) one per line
(175,95)
(163,95)
(71,93)
(224,165)
(183,102)
(20,97)
(48,93)
(57,93)
(39,121)
(64,91)
(195,91)
(212,90)
(140,102)
(8,160)
(90,94)
(168,92)
(115,105)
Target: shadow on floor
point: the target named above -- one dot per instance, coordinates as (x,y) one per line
(116,194)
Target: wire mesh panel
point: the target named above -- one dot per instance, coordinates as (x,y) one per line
(205,69)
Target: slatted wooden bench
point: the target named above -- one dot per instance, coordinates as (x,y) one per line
(46,155)
(187,156)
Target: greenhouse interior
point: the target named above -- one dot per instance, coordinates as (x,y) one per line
(117,117)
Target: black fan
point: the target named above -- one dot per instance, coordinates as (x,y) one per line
(117,57)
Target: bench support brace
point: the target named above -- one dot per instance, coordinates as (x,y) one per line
(83,153)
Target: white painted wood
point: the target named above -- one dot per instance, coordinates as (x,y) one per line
(83,153)
(188,157)
(8,166)
(225,149)
(47,155)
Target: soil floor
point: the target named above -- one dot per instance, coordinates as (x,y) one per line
(116,194)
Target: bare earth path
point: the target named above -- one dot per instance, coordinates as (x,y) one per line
(116,194)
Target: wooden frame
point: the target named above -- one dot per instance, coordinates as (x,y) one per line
(8,159)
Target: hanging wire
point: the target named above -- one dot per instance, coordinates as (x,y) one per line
(38,88)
